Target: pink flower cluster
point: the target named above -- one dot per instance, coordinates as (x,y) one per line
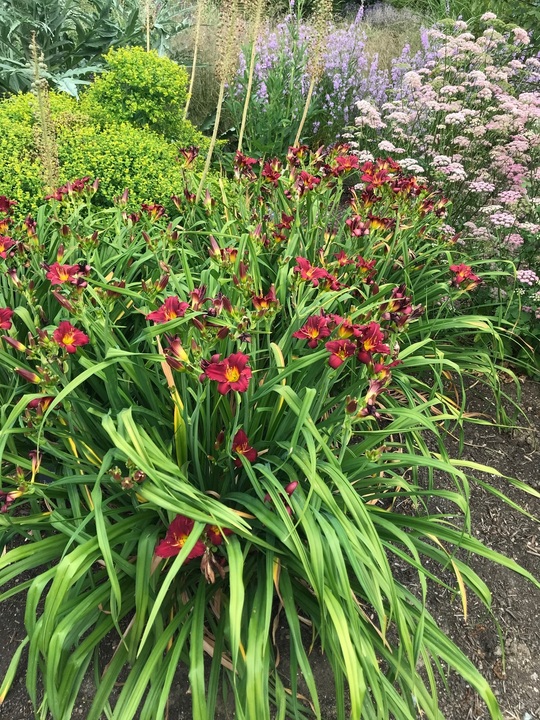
(470,117)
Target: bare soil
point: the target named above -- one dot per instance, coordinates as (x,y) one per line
(513,670)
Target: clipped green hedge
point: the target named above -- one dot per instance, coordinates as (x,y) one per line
(120,154)
(123,147)
(141,88)
(20,178)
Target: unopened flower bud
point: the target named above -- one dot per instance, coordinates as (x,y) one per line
(14,343)
(28,376)
(291,487)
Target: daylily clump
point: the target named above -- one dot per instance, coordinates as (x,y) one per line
(241,374)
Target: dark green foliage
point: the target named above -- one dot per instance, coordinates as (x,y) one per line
(72,36)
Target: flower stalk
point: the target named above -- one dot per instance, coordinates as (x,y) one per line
(44,129)
(228,57)
(198,22)
(322,15)
(259,7)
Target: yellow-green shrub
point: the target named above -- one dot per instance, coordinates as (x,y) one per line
(141,88)
(120,154)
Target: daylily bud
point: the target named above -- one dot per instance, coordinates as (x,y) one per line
(64,302)
(215,250)
(219,440)
(28,376)
(208,201)
(35,456)
(14,343)
(162,282)
(12,272)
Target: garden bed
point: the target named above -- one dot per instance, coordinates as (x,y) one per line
(515,676)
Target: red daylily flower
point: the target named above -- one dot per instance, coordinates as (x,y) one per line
(31,226)
(315,329)
(366,268)
(309,272)
(40,404)
(69,337)
(78,185)
(345,163)
(171,309)
(8,498)
(198,297)
(383,372)
(376,387)
(6,204)
(263,303)
(155,210)
(339,351)
(243,165)
(241,446)
(370,341)
(177,534)
(271,171)
(60,274)
(286,222)
(215,534)
(399,309)
(189,153)
(464,274)
(175,354)
(380,223)
(305,181)
(231,373)
(343,259)
(5,244)
(297,153)
(5,318)
(345,328)
(357,226)
(225,255)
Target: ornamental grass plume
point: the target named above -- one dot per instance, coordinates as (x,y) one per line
(226,67)
(259,6)
(201,6)
(146,12)
(44,131)
(321,17)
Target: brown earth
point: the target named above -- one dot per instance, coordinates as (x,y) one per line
(513,672)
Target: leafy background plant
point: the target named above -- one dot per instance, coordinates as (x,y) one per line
(74,36)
